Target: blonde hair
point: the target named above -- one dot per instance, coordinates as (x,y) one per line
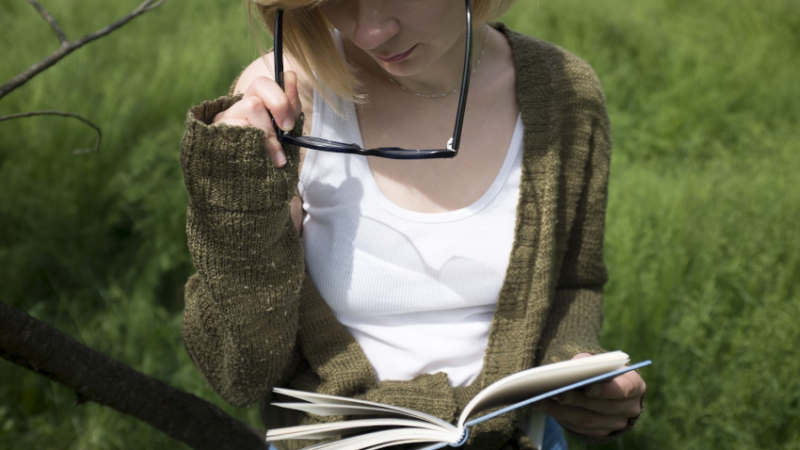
(308,38)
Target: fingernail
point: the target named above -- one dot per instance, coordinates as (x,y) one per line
(594,391)
(288,124)
(567,399)
(543,406)
(280,159)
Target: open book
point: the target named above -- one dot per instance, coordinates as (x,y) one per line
(426,432)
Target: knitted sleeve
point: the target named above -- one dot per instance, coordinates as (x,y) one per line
(241,314)
(576,316)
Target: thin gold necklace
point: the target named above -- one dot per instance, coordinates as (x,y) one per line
(446,93)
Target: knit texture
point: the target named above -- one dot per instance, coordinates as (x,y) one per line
(254,320)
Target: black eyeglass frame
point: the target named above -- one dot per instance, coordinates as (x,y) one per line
(385,152)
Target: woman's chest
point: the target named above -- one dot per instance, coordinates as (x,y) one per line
(369,256)
(439,185)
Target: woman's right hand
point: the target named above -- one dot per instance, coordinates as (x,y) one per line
(261,98)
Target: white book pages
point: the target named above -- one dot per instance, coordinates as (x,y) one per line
(388,437)
(326,430)
(419,447)
(529,383)
(427,447)
(324,399)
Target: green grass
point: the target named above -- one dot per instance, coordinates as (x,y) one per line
(703,242)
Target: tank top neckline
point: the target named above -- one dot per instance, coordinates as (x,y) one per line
(360,164)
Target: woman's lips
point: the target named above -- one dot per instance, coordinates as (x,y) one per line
(397,58)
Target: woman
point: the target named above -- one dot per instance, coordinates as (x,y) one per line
(395,283)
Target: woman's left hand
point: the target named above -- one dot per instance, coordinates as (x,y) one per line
(599,409)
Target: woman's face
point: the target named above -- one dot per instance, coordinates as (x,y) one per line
(404,37)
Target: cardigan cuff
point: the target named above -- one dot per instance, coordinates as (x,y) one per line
(227,167)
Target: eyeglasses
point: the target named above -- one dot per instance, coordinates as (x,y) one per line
(326,145)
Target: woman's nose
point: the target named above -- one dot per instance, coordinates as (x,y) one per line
(373,24)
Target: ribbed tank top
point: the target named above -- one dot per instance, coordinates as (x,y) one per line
(416,290)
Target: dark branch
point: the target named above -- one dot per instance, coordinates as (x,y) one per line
(155,5)
(78,151)
(96,377)
(69,47)
(53,24)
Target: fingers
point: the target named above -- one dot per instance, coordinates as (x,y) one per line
(256,114)
(292,93)
(628,385)
(620,396)
(274,99)
(254,111)
(582,420)
(627,408)
(600,409)
(262,98)
(251,112)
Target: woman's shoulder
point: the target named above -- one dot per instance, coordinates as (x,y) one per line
(538,61)
(258,68)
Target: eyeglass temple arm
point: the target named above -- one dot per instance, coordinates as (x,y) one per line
(277,50)
(277,53)
(455,141)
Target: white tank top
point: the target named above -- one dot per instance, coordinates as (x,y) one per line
(416,290)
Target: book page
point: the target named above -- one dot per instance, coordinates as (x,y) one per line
(332,403)
(332,429)
(385,438)
(538,380)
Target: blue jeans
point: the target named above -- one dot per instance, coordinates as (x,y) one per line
(553,436)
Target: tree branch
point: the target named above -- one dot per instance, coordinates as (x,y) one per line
(77,151)
(53,24)
(69,47)
(94,376)
(155,5)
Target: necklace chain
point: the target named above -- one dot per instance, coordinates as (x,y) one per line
(478,63)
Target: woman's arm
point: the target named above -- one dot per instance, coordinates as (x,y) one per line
(576,316)
(605,411)
(241,315)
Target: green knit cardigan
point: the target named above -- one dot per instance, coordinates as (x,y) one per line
(254,320)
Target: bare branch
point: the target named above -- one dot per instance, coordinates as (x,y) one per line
(96,377)
(78,151)
(53,24)
(156,5)
(70,47)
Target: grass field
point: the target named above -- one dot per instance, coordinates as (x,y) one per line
(703,240)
